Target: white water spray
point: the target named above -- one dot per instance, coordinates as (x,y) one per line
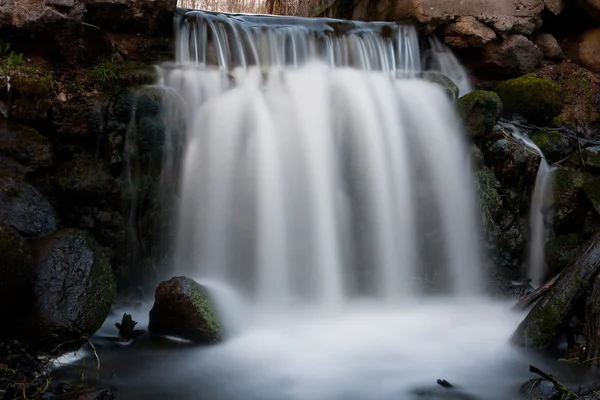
(326,189)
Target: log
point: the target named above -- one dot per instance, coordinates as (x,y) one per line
(545,320)
(593,325)
(534,296)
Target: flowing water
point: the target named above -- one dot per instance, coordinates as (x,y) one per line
(539,212)
(326,204)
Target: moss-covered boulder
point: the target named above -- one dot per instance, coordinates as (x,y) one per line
(569,202)
(588,157)
(562,251)
(553,144)
(480,111)
(182,308)
(73,288)
(537,99)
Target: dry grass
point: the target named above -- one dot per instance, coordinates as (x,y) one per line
(301,8)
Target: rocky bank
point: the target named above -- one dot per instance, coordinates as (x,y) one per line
(81,141)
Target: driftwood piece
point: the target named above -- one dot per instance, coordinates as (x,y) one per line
(534,296)
(126,328)
(593,325)
(540,327)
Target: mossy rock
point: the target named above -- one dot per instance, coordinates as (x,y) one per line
(587,157)
(35,96)
(552,143)
(570,204)
(563,251)
(539,100)
(480,111)
(182,308)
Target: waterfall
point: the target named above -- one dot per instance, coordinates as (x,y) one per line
(538,212)
(316,169)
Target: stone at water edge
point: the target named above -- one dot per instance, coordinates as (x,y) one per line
(446,83)
(480,111)
(73,288)
(539,100)
(182,308)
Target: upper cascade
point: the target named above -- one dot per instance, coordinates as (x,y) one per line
(232,41)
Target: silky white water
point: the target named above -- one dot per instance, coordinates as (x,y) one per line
(539,213)
(326,202)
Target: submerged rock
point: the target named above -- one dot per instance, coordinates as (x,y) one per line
(25,209)
(538,389)
(480,111)
(73,289)
(537,99)
(442,80)
(182,308)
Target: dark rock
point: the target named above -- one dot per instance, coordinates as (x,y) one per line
(480,111)
(569,203)
(591,189)
(25,209)
(538,389)
(183,309)
(150,134)
(515,56)
(130,16)
(562,251)
(14,269)
(71,117)
(587,157)
(437,77)
(23,149)
(539,100)
(73,289)
(84,176)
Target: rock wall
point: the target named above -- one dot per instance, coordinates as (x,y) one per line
(70,124)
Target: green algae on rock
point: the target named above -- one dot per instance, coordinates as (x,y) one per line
(552,143)
(537,99)
(182,308)
(480,111)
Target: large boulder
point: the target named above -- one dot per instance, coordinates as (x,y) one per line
(589,51)
(73,288)
(480,111)
(515,56)
(22,149)
(25,209)
(182,308)
(537,99)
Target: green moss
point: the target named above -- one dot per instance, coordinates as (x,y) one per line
(113,74)
(204,306)
(480,111)
(489,199)
(546,320)
(537,99)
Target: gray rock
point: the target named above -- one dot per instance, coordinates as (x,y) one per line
(549,46)
(25,209)
(437,77)
(73,287)
(515,56)
(182,308)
